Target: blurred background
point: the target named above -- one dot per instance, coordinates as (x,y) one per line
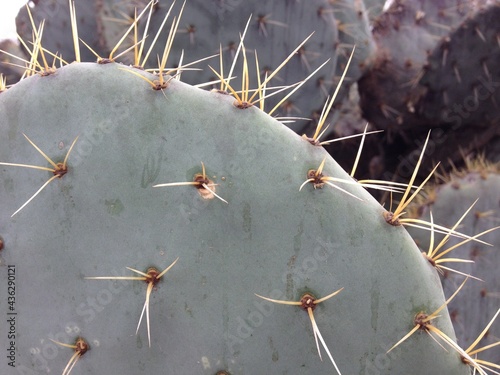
(8,18)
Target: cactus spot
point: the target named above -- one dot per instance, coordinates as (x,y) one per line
(321,12)
(391,219)
(264,20)
(429,259)
(58,169)
(152,276)
(222,373)
(471,351)
(436,252)
(395,217)
(104,60)
(159,85)
(191,31)
(243,99)
(114,206)
(205,186)
(201,184)
(1,243)
(80,348)
(219,91)
(421,320)
(316,178)
(47,71)
(242,104)
(308,301)
(454,315)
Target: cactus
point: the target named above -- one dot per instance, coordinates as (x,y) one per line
(338,26)
(141,204)
(472,310)
(404,86)
(441,75)
(102,215)
(273,31)
(417,28)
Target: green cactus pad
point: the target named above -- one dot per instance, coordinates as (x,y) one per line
(271,239)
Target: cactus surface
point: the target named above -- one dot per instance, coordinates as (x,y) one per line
(169,230)
(102,215)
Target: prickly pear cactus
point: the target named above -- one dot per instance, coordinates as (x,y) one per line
(391,88)
(208,25)
(479,302)
(434,67)
(274,31)
(240,228)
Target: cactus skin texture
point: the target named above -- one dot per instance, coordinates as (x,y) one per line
(270,238)
(479,302)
